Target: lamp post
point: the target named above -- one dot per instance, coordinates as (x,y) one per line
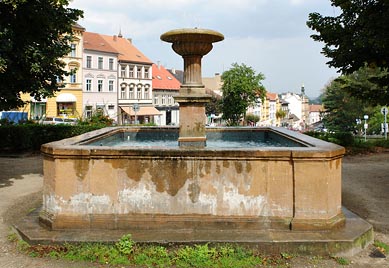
(365,125)
(358,121)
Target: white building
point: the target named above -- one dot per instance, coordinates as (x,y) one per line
(100,61)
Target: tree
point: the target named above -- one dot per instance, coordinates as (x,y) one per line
(34,36)
(358,37)
(241,88)
(342,110)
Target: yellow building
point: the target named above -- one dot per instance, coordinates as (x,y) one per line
(68,101)
(271,104)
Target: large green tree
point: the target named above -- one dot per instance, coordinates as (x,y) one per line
(357,38)
(342,110)
(34,35)
(241,88)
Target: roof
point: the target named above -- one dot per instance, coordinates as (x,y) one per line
(127,51)
(94,41)
(78,27)
(271,96)
(316,108)
(163,79)
(179,74)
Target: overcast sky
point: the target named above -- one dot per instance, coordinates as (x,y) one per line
(270,36)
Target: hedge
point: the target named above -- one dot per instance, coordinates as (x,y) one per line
(30,137)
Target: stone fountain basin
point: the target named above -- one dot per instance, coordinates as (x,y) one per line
(141,187)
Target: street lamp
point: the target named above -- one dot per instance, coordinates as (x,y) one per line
(358,121)
(365,125)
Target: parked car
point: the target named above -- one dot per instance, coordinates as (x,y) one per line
(52,121)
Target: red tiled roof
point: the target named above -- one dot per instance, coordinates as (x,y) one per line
(271,96)
(127,51)
(316,108)
(163,79)
(94,41)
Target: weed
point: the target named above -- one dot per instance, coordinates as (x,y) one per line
(125,245)
(342,261)
(197,256)
(12,237)
(153,256)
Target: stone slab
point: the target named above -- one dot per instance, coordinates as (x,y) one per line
(348,240)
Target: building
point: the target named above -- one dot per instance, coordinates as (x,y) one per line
(100,71)
(67,102)
(165,87)
(214,83)
(135,103)
(315,113)
(298,110)
(266,110)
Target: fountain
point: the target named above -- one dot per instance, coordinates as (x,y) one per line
(287,193)
(192,45)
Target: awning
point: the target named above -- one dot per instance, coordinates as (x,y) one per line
(66,97)
(142,111)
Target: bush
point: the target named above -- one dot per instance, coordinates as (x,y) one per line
(30,137)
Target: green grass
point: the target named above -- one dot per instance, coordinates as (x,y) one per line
(126,252)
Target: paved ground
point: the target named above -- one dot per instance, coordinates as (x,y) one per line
(365,192)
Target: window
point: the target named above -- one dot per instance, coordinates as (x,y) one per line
(132,91)
(73,50)
(88,111)
(110,85)
(73,76)
(155,100)
(170,100)
(123,93)
(88,85)
(147,73)
(139,92)
(146,93)
(111,107)
(131,71)
(123,71)
(110,64)
(100,63)
(88,61)
(163,99)
(99,85)
(139,72)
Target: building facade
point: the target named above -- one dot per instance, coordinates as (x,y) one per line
(165,88)
(135,103)
(67,102)
(100,71)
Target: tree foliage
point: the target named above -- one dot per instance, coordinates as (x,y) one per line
(34,36)
(342,110)
(357,38)
(241,88)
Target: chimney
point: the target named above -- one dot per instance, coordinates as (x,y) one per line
(173,70)
(115,38)
(129,40)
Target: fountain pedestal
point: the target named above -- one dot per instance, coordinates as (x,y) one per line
(192,45)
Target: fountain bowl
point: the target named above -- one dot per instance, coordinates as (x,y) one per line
(88,185)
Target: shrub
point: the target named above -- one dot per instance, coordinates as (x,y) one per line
(30,137)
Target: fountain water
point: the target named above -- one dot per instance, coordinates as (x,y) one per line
(194,193)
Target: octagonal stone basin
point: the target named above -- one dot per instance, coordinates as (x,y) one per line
(90,185)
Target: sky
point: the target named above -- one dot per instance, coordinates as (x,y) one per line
(270,36)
